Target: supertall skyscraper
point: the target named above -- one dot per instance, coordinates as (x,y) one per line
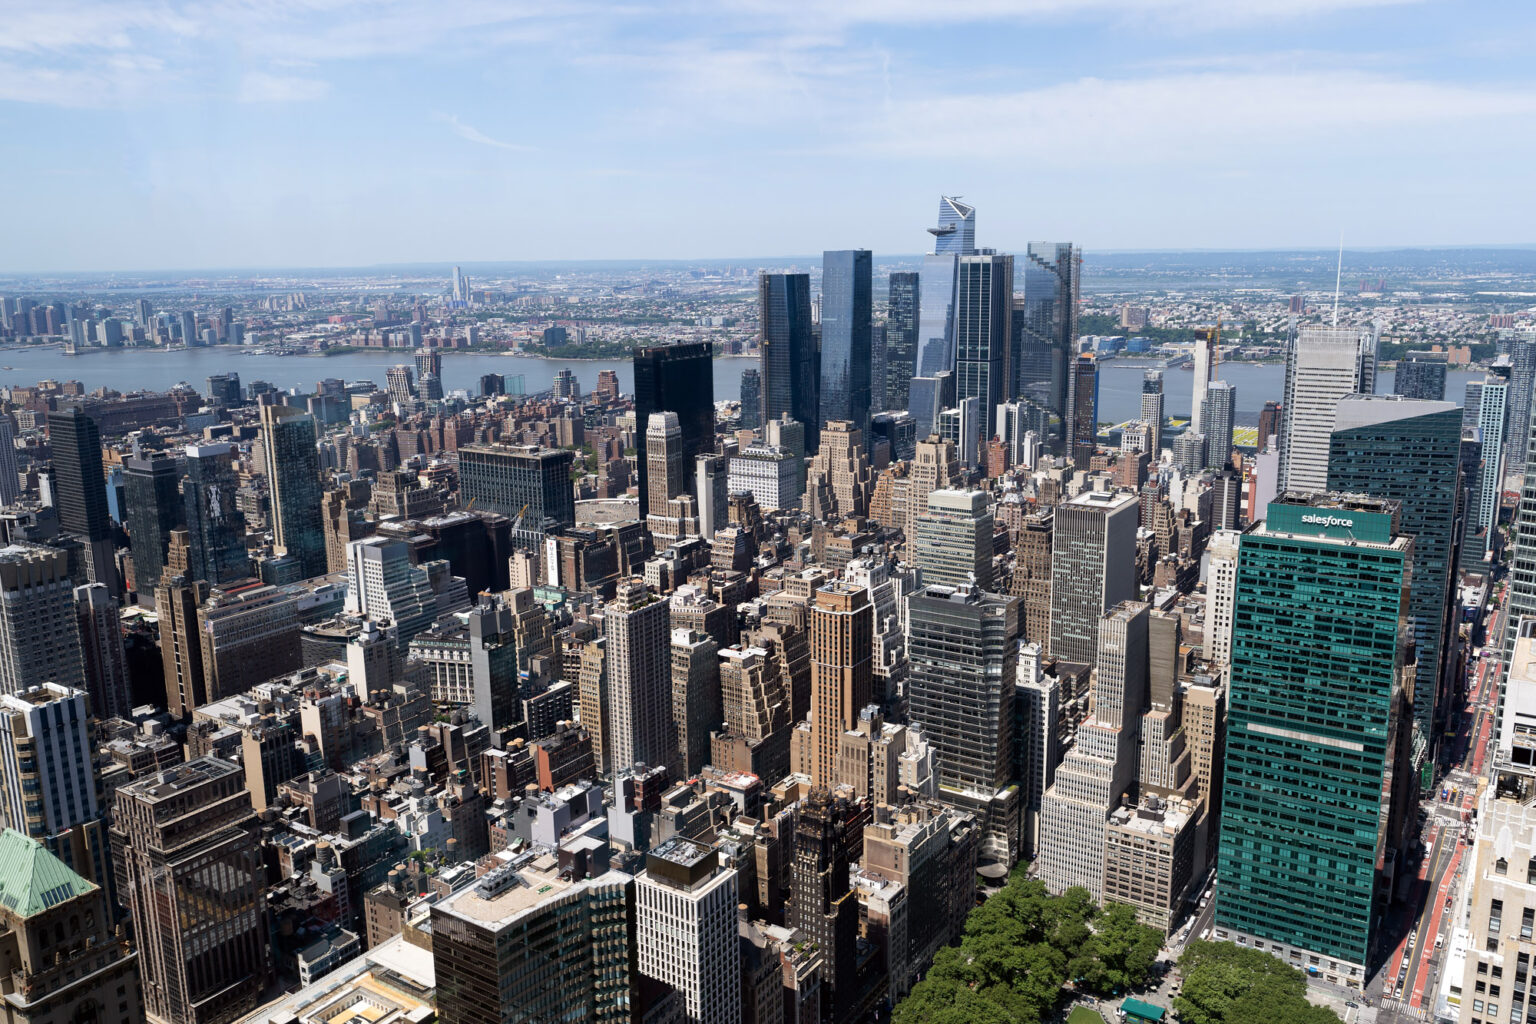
(1152,410)
(80,490)
(901,323)
(1045,327)
(845,337)
(954,237)
(293,478)
(1322,365)
(680,379)
(1093,568)
(1409,451)
(791,377)
(963,645)
(1317,732)
(983,306)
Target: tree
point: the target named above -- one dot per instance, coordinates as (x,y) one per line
(1230,984)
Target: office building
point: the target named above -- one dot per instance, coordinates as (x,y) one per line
(983,306)
(696,698)
(955,236)
(842,673)
(152,490)
(1082,420)
(39,638)
(1487,406)
(685,929)
(526,483)
(678,379)
(1102,766)
(1093,568)
(1500,909)
(962,425)
(1218,417)
(713,473)
(80,490)
(215,524)
(963,648)
(249,633)
(954,538)
(791,376)
(751,417)
(666,477)
(1152,410)
(1045,327)
(1318,732)
(528,942)
(823,907)
(638,714)
(186,848)
(901,325)
(293,478)
(845,337)
(1322,365)
(103,659)
(177,600)
(769,473)
(384,586)
(57,929)
(1421,375)
(1220,594)
(1408,451)
(10,475)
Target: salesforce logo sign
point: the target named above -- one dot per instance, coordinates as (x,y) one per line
(1313,519)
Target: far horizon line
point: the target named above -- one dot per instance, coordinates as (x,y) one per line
(1331,251)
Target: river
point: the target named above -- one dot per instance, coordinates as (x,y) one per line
(130,369)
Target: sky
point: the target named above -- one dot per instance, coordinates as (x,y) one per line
(243,133)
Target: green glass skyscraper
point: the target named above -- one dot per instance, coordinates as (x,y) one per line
(1409,451)
(1312,802)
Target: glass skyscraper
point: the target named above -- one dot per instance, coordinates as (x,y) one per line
(293,478)
(1218,416)
(901,314)
(983,305)
(1083,406)
(1045,326)
(1409,452)
(1313,801)
(845,337)
(151,492)
(788,351)
(680,379)
(1420,375)
(215,525)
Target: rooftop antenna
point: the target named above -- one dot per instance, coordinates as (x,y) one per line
(1338,279)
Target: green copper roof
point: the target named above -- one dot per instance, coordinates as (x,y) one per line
(32,879)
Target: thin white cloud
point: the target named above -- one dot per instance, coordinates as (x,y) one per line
(473,134)
(1184,14)
(260,87)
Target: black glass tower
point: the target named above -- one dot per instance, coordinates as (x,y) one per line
(901,313)
(788,351)
(80,490)
(215,525)
(680,379)
(845,337)
(152,493)
(1045,327)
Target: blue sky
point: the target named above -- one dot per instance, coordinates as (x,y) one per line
(146,135)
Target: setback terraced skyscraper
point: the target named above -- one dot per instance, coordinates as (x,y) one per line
(1314,800)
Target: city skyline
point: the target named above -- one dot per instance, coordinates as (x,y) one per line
(619,117)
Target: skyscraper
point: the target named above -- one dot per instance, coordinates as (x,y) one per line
(901,323)
(384,586)
(666,475)
(186,845)
(215,524)
(1487,403)
(824,907)
(842,675)
(791,376)
(1045,327)
(1217,421)
(80,490)
(1205,342)
(1083,418)
(954,237)
(983,306)
(751,398)
(102,654)
(1317,731)
(954,538)
(10,480)
(956,232)
(1421,375)
(963,647)
(1522,384)
(1093,568)
(39,638)
(1220,594)
(293,478)
(529,484)
(151,488)
(678,379)
(685,929)
(1322,365)
(1152,410)
(845,337)
(1408,451)
(696,698)
(638,716)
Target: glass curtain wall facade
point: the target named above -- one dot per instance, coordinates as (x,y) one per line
(1045,326)
(680,379)
(983,305)
(901,319)
(790,376)
(845,337)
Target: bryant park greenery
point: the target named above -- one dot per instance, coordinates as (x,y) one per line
(1026,953)
(1229,984)
(1021,951)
